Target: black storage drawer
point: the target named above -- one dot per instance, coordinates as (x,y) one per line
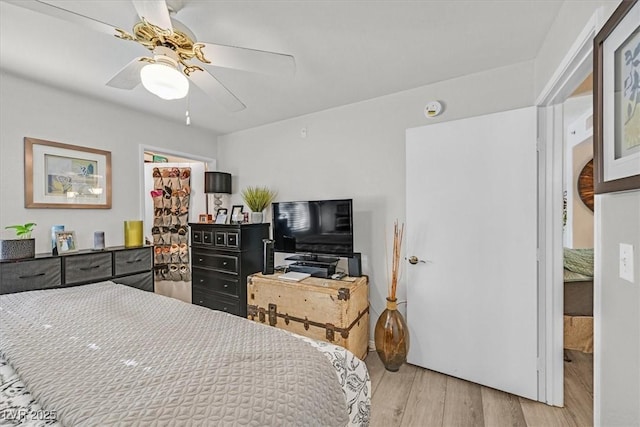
(87,268)
(132,261)
(216,282)
(215,301)
(225,239)
(215,261)
(207,237)
(232,240)
(221,238)
(142,281)
(30,275)
(222,257)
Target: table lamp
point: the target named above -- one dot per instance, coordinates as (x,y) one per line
(216,183)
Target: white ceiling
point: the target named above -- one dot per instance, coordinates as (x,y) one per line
(345,51)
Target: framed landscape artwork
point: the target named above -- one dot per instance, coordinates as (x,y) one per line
(60,175)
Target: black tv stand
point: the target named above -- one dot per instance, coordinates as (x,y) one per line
(315,265)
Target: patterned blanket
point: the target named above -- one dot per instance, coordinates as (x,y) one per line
(106,354)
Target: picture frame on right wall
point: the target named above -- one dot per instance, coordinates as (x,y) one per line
(616,74)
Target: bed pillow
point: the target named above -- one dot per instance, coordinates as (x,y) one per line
(579,261)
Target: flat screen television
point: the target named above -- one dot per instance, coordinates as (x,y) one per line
(314,227)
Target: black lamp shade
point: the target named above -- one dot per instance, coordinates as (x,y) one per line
(217,182)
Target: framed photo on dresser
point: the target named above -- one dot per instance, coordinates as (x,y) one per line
(66,242)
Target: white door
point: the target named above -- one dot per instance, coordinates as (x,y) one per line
(472,219)
(198,197)
(197,200)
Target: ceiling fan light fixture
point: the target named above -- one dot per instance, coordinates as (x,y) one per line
(164,81)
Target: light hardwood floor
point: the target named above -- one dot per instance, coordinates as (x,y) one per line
(415,396)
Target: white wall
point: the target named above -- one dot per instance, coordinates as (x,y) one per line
(31,109)
(619,353)
(617,345)
(572,17)
(358,151)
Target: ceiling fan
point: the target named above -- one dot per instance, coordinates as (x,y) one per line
(168,72)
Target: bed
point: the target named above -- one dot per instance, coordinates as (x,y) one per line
(109,354)
(578,299)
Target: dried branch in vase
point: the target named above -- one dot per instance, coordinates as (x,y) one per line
(398,233)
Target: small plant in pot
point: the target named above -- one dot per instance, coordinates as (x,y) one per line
(23,246)
(258,199)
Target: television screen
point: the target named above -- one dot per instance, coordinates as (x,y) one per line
(318,227)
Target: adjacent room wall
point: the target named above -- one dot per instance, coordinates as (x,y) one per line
(358,151)
(31,109)
(582,218)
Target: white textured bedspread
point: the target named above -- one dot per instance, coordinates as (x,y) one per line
(107,354)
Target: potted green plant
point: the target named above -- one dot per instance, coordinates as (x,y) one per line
(23,246)
(258,199)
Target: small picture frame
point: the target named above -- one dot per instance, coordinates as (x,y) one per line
(221,216)
(66,242)
(236,214)
(205,218)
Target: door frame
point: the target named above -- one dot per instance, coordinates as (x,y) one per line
(573,69)
(209,162)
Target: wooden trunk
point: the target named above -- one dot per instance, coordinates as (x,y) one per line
(336,311)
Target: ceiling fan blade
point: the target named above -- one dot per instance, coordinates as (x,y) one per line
(216,90)
(154,12)
(66,15)
(241,58)
(129,76)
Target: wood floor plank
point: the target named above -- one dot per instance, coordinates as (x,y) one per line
(425,405)
(463,404)
(389,401)
(501,409)
(578,395)
(538,414)
(582,366)
(418,397)
(376,369)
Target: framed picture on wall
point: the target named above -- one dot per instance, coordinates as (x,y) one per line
(617,101)
(60,175)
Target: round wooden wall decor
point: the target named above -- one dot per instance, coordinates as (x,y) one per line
(585,185)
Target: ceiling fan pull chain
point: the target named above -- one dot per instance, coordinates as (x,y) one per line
(188,120)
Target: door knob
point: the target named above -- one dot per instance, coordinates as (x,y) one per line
(414,260)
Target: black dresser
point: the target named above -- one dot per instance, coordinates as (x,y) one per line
(129,266)
(222,257)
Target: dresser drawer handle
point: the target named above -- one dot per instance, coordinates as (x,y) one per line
(134,261)
(200,260)
(224,263)
(201,280)
(31,276)
(89,268)
(226,286)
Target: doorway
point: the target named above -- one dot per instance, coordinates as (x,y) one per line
(578,247)
(572,72)
(169,204)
